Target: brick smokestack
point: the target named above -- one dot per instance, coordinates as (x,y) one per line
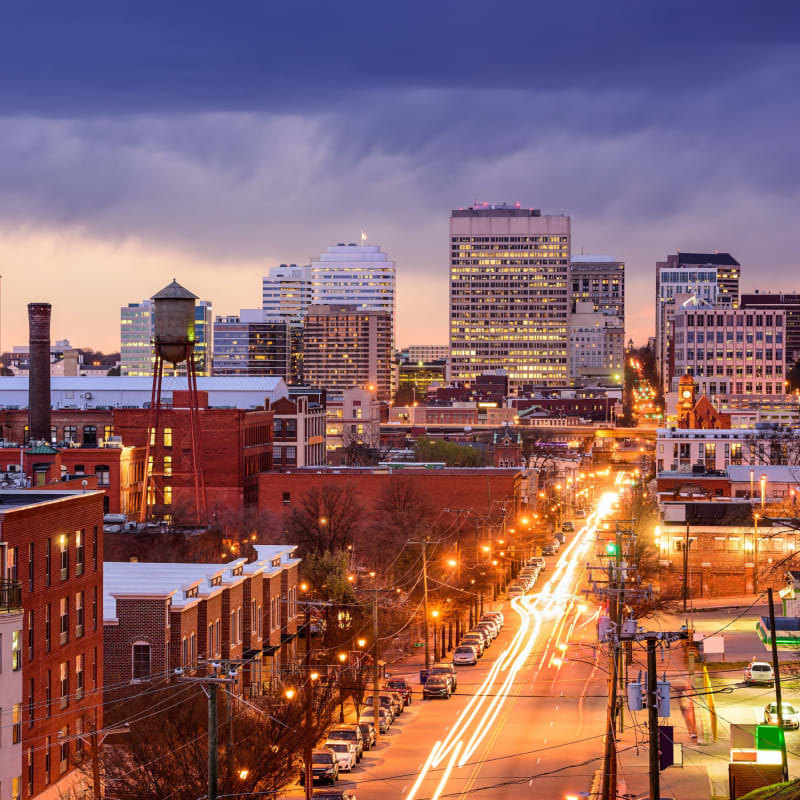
(39,371)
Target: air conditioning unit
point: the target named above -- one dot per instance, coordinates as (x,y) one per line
(87,395)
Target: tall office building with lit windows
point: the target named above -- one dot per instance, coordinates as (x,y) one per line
(509,299)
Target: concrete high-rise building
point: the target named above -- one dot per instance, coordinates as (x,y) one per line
(137,354)
(345,346)
(428,352)
(730,351)
(596,344)
(599,280)
(287,292)
(788,303)
(509,300)
(250,344)
(711,277)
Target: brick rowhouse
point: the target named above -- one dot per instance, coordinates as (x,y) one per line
(54,544)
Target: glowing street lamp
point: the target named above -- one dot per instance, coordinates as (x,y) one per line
(289,693)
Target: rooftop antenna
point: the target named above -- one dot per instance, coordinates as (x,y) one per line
(363,238)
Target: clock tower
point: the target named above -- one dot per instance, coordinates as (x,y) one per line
(687,390)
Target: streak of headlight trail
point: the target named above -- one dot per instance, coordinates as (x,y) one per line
(471,723)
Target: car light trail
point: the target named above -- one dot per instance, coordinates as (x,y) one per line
(476,719)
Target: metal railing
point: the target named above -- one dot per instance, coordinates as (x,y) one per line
(10,596)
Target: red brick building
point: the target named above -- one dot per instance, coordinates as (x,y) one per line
(482,490)
(82,426)
(54,548)
(159,617)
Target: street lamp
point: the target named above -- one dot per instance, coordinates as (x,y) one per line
(342,659)
(289,693)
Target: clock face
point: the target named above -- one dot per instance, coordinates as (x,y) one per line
(687,393)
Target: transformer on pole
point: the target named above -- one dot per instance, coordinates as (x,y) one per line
(173,339)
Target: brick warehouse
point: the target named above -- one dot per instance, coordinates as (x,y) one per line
(160,617)
(54,548)
(474,491)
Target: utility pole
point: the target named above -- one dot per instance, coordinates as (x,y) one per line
(209,685)
(686,568)
(425,601)
(308,744)
(652,717)
(777,669)
(376,692)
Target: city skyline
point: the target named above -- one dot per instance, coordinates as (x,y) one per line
(227,160)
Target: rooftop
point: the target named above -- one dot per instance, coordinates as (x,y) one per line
(696,259)
(146,579)
(595,259)
(12,499)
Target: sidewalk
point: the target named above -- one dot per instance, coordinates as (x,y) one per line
(731,603)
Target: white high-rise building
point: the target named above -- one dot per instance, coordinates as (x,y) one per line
(509,302)
(286,292)
(596,344)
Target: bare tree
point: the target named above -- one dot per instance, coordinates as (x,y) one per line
(326,519)
(165,752)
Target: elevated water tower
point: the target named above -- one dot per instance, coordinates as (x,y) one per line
(173,340)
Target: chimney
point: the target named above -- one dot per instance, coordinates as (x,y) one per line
(39,372)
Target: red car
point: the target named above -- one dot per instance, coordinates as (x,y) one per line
(402,686)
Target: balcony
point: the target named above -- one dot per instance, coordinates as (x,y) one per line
(10,597)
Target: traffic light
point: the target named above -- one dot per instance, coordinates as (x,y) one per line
(611,548)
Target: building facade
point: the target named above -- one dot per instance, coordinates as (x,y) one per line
(730,351)
(353,419)
(346,347)
(789,304)
(710,277)
(298,432)
(509,300)
(287,292)
(251,344)
(428,352)
(11,697)
(160,617)
(599,280)
(596,344)
(53,550)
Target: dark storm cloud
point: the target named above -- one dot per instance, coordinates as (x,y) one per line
(95,55)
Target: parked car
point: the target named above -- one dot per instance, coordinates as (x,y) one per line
(436,686)
(568,527)
(475,639)
(560,536)
(488,630)
(485,634)
(334,794)
(398,700)
(759,672)
(369,734)
(448,670)
(349,733)
(345,753)
(791,717)
(580,514)
(538,561)
(515,590)
(497,616)
(401,685)
(547,550)
(384,716)
(324,766)
(386,704)
(465,655)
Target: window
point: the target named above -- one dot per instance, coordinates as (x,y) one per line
(79,676)
(167,437)
(103,473)
(253,616)
(239,624)
(287,498)
(30,566)
(30,771)
(70,433)
(233,628)
(16,650)
(31,703)
(108,432)
(217,637)
(141,661)
(167,466)
(16,723)
(30,636)
(79,596)
(11,563)
(79,552)
(63,542)
(259,622)
(47,759)
(94,549)
(63,614)
(90,435)
(94,669)
(63,751)
(193,649)
(47,627)
(185,652)
(210,641)
(167,495)
(64,683)
(48,693)
(94,609)
(48,546)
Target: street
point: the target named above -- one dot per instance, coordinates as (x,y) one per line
(530,715)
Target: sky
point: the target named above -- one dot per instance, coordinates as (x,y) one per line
(208,141)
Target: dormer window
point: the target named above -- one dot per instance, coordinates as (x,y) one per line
(238,570)
(193,592)
(276,562)
(216,580)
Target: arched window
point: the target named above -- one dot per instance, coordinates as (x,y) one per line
(141,661)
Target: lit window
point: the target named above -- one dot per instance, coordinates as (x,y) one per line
(167,466)
(167,495)
(167,437)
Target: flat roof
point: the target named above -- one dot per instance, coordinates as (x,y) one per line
(154,580)
(11,499)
